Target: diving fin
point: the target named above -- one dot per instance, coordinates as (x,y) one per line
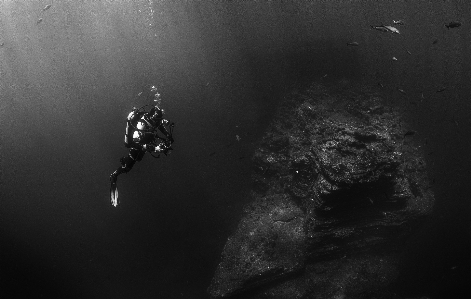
(114,194)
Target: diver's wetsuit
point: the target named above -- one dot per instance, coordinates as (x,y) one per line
(143,140)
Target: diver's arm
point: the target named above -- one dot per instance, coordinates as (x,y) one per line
(148,147)
(152,148)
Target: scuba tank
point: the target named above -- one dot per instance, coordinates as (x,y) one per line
(131,124)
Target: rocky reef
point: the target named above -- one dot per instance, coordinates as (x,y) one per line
(339,184)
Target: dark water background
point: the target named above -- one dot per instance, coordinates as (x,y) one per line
(68,83)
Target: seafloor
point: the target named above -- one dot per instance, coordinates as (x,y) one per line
(339,185)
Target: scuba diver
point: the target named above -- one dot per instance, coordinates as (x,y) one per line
(141,137)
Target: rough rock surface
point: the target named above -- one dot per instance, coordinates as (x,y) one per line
(338,186)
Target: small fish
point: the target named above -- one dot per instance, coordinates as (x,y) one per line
(394,58)
(409,133)
(408,52)
(401,91)
(47,7)
(453,24)
(435,41)
(237,137)
(380,28)
(353,44)
(212,154)
(441,89)
(380,85)
(398,22)
(392,29)
(2,44)
(325,76)
(39,21)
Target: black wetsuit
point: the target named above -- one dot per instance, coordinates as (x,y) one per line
(146,141)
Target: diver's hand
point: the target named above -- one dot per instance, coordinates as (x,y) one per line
(158,148)
(164,147)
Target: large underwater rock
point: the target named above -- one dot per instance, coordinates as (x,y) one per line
(337,189)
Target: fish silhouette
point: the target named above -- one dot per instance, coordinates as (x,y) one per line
(453,24)
(383,28)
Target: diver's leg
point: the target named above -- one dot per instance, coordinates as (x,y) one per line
(114,175)
(127,164)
